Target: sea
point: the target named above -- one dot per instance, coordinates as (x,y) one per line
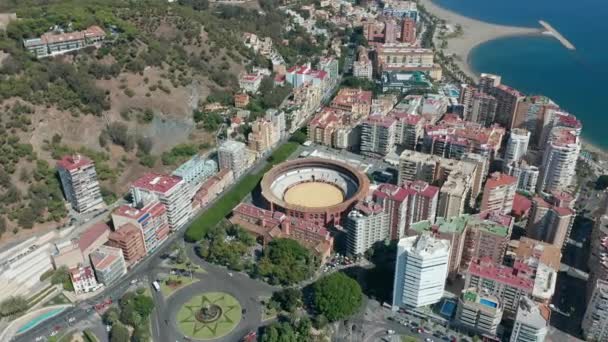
(576,80)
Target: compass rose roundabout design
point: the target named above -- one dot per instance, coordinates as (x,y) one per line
(209,316)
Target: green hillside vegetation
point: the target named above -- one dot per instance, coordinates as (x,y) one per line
(207,44)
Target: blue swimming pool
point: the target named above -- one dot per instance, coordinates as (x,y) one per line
(448,308)
(39,319)
(488,303)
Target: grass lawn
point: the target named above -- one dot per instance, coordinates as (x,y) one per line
(58,300)
(268,313)
(89,336)
(227,319)
(231,199)
(197,268)
(167,290)
(408,339)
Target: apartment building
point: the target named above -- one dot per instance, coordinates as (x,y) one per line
(404,57)
(559,160)
(460,179)
(195,170)
(595,321)
(421,269)
(484,235)
(250,83)
(151,220)
(79,183)
(378,135)
(526,174)
(479,312)
(549,222)
(171,191)
(507,99)
(211,188)
(357,102)
(499,193)
(526,278)
(479,107)
(366,224)
(517,145)
(531,322)
(263,136)
(56,43)
(232,155)
(412,202)
(363,67)
(453,137)
(130,240)
(83,279)
(409,129)
(109,264)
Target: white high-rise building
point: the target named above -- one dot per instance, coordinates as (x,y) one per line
(517,145)
(531,321)
(595,321)
(365,225)
(559,160)
(526,174)
(172,191)
(232,155)
(420,271)
(79,182)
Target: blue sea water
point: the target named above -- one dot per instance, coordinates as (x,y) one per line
(576,80)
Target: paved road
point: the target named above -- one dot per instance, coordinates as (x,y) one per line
(140,271)
(246,290)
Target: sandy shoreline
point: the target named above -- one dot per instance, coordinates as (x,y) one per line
(475,32)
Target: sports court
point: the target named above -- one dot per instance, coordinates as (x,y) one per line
(313,195)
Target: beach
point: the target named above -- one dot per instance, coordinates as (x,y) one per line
(474,31)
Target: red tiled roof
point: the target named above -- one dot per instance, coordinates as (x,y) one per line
(391,191)
(92,234)
(521,205)
(70,162)
(498,179)
(519,276)
(157,182)
(385,121)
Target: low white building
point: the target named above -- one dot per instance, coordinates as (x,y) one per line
(83,279)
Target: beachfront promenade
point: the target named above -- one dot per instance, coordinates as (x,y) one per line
(550,30)
(474,31)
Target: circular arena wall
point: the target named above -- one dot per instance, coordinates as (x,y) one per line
(315,189)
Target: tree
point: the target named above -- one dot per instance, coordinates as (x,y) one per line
(601,183)
(288,299)
(299,137)
(111,316)
(119,333)
(13,306)
(337,296)
(144,305)
(285,262)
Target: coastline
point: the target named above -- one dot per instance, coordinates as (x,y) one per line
(475,32)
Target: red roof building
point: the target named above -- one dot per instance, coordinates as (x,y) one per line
(268,225)
(93,237)
(79,183)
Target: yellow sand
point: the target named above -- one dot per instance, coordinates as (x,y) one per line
(313,195)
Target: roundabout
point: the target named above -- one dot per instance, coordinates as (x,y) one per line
(209,315)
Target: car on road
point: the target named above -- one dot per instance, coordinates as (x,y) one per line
(39,338)
(54,332)
(428,339)
(390,332)
(71,319)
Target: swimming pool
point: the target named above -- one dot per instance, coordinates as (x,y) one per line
(39,319)
(488,303)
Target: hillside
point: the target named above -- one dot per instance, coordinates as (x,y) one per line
(128,104)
